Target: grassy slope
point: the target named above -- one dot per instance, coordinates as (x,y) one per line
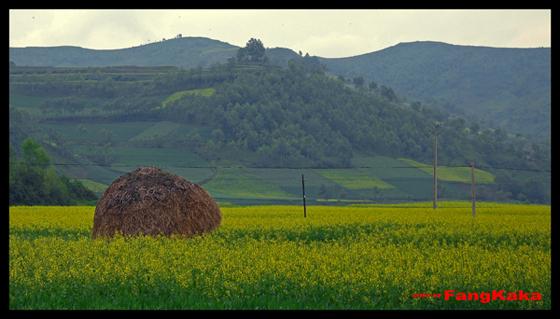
(353,179)
(407,180)
(454,174)
(178,95)
(241,182)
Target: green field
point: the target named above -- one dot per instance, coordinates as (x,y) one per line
(374,257)
(353,179)
(454,174)
(178,95)
(242,182)
(181,162)
(409,182)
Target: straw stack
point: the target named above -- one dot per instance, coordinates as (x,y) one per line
(151,202)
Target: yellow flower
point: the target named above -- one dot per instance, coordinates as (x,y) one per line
(355,256)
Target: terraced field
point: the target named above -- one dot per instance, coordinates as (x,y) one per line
(129,144)
(454,174)
(178,95)
(242,182)
(397,179)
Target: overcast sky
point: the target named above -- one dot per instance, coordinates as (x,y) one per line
(325,33)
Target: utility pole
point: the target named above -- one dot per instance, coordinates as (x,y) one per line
(435,169)
(472,189)
(303,188)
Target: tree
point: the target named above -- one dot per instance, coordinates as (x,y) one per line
(325,192)
(32,183)
(416,106)
(241,55)
(389,93)
(280,147)
(193,139)
(82,130)
(358,81)
(253,51)
(508,184)
(308,143)
(474,128)
(535,190)
(105,136)
(34,155)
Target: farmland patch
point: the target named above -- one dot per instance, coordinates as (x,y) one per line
(353,178)
(454,174)
(177,95)
(242,182)
(271,257)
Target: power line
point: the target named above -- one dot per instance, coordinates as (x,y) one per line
(282,167)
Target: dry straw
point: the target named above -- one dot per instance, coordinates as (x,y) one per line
(150,201)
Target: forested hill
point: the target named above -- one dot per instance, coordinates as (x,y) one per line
(252,114)
(497,87)
(271,116)
(510,87)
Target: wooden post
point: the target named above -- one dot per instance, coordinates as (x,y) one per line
(435,169)
(303,188)
(472,189)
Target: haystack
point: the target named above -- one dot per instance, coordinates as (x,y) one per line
(150,201)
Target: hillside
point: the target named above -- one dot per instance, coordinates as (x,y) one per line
(510,87)
(182,52)
(498,87)
(250,130)
(185,52)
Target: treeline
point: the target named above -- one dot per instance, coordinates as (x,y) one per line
(506,188)
(33,182)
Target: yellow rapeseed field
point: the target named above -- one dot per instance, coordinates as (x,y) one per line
(270,257)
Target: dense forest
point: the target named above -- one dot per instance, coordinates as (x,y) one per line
(301,116)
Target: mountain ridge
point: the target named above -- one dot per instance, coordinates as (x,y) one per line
(468,80)
(507,87)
